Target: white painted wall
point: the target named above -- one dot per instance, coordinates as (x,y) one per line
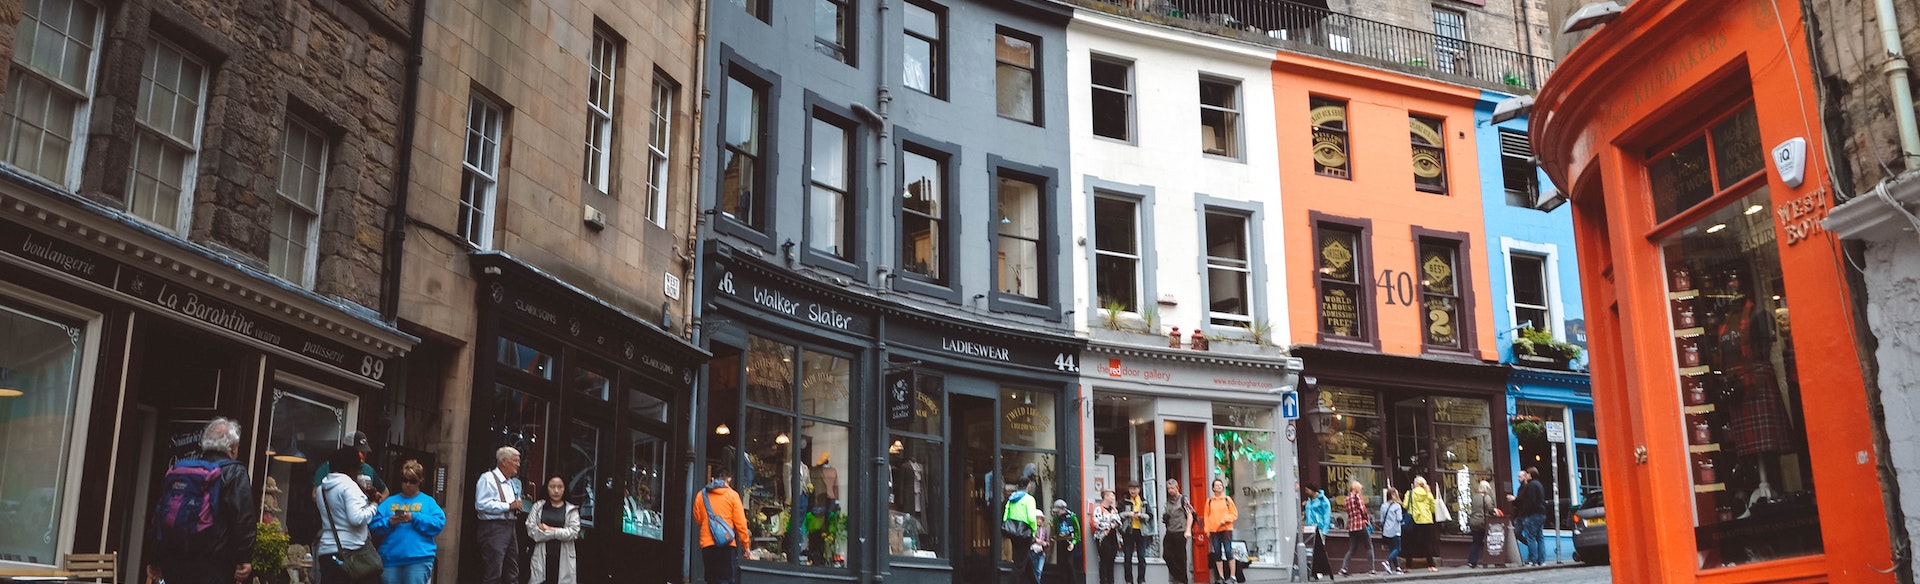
(1165,154)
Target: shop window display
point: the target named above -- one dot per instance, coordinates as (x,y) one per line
(1347,425)
(796,441)
(1027,443)
(915,459)
(305,427)
(644,505)
(39,381)
(1462,432)
(1243,454)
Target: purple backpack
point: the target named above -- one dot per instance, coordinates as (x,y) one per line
(189,499)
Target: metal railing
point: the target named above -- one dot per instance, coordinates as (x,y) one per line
(1341,36)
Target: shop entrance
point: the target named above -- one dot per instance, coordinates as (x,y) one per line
(972,452)
(1413,445)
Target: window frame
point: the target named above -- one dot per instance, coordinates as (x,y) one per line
(660,146)
(937,49)
(853,261)
(1037,99)
(1550,272)
(948,156)
(1252,212)
(1142,197)
(1047,180)
(735,68)
(1463,287)
(848,28)
(83,96)
(1138,257)
(481,236)
(1344,132)
(1516,157)
(90,324)
(943,439)
(758,9)
(1368,321)
(1439,127)
(1448,50)
(310,261)
(190,166)
(1126,95)
(597,169)
(1236,149)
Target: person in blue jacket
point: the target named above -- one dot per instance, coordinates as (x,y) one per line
(409,521)
(1319,515)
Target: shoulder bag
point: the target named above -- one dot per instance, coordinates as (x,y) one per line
(359,564)
(1015,528)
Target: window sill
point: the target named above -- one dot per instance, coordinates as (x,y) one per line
(911,283)
(1223,157)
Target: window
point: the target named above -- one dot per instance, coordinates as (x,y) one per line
(1112,98)
(1685,177)
(923,215)
(1463,433)
(1329,117)
(829,170)
(47,101)
(601,66)
(1350,445)
(1450,40)
(1116,252)
(296,206)
(660,147)
(1440,297)
(1529,276)
(1429,154)
(1229,270)
(742,174)
(1516,169)
(1027,447)
(1342,303)
(830,21)
(643,508)
(480,179)
(305,425)
(1243,457)
(797,439)
(44,358)
(916,463)
(1016,75)
(1220,117)
(756,8)
(926,48)
(1017,247)
(166,147)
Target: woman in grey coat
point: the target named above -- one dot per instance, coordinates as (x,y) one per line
(554,524)
(1483,507)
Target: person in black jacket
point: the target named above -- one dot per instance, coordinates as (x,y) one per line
(226,556)
(1529,506)
(1135,516)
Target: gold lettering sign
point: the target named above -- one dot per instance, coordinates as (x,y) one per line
(1024,419)
(1423,133)
(1338,312)
(1439,272)
(1327,115)
(1330,150)
(1336,258)
(1440,329)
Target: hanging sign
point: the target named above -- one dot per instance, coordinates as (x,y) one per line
(901,394)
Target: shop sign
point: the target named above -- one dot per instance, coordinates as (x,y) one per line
(902,396)
(1800,218)
(588,332)
(1028,355)
(59,255)
(172,297)
(1117,368)
(1024,420)
(790,304)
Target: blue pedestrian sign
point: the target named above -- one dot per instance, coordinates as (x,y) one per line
(1290,406)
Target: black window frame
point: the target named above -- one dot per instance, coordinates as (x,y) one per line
(1438,125)
(937,57)
(853,262)
(1236,148)
(1345,133)
(1047,305)
(1036,73)
(732,67)
(1126,94)
(948,155)
(849,28)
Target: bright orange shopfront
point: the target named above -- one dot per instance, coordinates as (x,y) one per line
(1735,436)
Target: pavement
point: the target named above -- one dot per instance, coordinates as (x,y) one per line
(1567,573)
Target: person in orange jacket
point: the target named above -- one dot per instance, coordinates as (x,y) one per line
(723,528)
(1221,513)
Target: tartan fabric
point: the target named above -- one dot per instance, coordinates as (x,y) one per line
(1356,512)
(1761,424)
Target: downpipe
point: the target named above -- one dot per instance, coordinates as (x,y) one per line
(1895,69)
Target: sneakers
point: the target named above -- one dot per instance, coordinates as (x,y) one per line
(1387,566)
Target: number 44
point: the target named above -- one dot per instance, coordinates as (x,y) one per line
(1066,362)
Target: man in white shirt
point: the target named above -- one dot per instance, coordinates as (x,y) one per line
(497,499)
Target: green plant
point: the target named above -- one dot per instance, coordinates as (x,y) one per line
(1112,309)
(1531,340)
(1513,79)
(1528,427)
(1417,63)
(1151,314)
(1232,445)
(270,551)
(1261,331)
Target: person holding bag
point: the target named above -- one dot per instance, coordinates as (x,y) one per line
(1482,508)
(1106,534)
(554,524)
(1024,525)
(723,527)
(1422,534)
(346,514)
(1392,518)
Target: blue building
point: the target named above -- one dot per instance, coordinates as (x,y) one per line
(1535,283)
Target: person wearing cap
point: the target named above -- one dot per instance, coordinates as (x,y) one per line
(358,442)
(1066,535)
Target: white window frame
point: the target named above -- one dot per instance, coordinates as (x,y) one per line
(70,487)
(1138,258)
(310,260)
(660,147)
(1232,111)
(1126,94)
(603,67)
(479,234)
(83,110)
(1245,268)
(189,174)
(1549,254)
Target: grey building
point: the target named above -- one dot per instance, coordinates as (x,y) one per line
(884,234)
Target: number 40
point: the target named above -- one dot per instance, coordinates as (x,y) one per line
(1397,287)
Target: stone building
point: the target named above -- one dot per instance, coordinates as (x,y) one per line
(194,209)
(547,261)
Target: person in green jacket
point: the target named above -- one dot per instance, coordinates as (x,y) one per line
(1066,535)
(1029,553)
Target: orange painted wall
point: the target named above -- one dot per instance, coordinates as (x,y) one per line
(1381,189)
(1656,73)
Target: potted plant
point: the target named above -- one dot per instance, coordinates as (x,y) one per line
(270,554)
(1537,346)
(1528,427)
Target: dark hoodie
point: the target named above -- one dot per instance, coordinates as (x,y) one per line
(726,506)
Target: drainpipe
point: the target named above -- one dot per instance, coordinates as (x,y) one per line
(873,573)
(403,173)
(1896,71)
(1526,32)
(692,270)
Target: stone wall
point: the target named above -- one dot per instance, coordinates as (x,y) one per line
(1495,23)
(1858,106)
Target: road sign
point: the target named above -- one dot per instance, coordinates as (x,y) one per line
(1556,432)
(1290,406)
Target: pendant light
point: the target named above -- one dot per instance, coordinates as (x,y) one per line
(9,387)
(292,454)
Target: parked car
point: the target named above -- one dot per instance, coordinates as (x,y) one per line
(1590,530)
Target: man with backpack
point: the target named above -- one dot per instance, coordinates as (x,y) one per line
(723,527)
(203,526)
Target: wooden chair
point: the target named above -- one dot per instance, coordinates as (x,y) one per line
(102,568)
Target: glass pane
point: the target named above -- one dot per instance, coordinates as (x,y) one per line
(515,418)
(1233,416)
(770,373)
(918,63)
(829,27)
(1110,74)
(1338,250)
(928,407)
(1529,281)
(922,21)
(1736,147)
(923,208)
(1347,428)
(828,155)
(1228,292)
(1026,418)
(644,505)
(647,406)
(1244,461)
(580,468)
(1019,208)
(1116,279)
(1113,226)
(1216,132)
(1680,179)
(305,427)
(916,504)
(1429,169)
(827,221)
(767,480)
(1110,116)
(1462,429)
(1226,239)
(743,116)
(1019,267)
(525,359)
(1033,471)
(1753,495)
(826,385)
(1013,51)
(924,180)
(592,384)
(1015,87)
(822,515)
(42,362)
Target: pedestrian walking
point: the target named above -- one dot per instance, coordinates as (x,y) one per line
(496,500)
(1482,509)
(553,524)
(1066,539)
(1178,518)
(346,516)
(1421,535)
(1029,549)
(1106,533)
(409,522)
(204,524)
(722,518)
(1221,513)
(1359,527)
(1529,506)
(1393,518)
(1318,513)
(1134,517)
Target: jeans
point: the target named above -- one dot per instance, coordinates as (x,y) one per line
(1133,558)
(499,551)
(1173,548)
(420,573)
(722,563)
(1393,557)
(1530,535)
(1479,543)
(1107,547)
(1356,539)
(1027,564)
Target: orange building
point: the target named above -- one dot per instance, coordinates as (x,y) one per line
(1385,248)
(1735,434)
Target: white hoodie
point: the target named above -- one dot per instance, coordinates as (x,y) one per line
(345,508)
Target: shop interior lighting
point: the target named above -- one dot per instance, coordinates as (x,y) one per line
(9,387)
(1591,15)
(782,439)
(1754,209)
(1717,227)
(722,430)
(292,453)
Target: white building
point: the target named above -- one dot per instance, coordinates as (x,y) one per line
(1176,216)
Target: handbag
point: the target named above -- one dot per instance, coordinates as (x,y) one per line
(721,531)
(1016,528)
(359,564)
(1440,514)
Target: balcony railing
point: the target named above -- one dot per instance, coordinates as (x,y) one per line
(1340,36)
